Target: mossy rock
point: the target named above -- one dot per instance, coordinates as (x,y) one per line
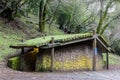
(14,63)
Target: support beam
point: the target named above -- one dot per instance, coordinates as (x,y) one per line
(107,60)
(52,55)
(39,61)
(102,44)
(94,50)
(22,63)
(22,50)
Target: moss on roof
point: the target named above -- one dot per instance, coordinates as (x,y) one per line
(57,38)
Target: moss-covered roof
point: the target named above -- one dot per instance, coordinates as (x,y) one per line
(57,38)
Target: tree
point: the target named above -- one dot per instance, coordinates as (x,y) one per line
(73,16)
(9,8)
(42,14)
(104,18)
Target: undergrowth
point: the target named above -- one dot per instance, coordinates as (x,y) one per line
(20,30)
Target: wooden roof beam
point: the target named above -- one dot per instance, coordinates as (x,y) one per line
(103,44)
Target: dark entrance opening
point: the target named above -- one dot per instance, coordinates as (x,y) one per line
(25,61)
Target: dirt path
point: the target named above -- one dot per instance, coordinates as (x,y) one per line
(9,74)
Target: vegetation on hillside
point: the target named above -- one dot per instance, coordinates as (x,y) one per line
(20,30)
(26,19)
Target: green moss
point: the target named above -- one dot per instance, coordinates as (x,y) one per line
(80,63)
(14,63)
(60,38)
(47,62)
(39,67)
(45,65)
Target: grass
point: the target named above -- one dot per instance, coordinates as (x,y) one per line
(11,34)
(33,20)
(53,30)
(7,37)
(113,59)
(5,41)
(59,38)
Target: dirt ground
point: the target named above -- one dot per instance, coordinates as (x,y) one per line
(8,74)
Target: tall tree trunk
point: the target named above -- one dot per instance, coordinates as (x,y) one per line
(42,15)
(101,15)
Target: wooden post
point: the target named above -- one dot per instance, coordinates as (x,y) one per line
(22,61)
(107,60)
(22,50)
(39,61)
(94,50)
(52,55)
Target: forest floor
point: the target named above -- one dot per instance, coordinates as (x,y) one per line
(9,74)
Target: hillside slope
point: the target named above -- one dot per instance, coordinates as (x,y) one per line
(19,30)
(24,29)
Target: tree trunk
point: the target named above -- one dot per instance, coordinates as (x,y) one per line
(42,15)
(101,17)
(8,12)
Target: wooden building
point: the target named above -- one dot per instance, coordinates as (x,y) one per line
(69,52)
